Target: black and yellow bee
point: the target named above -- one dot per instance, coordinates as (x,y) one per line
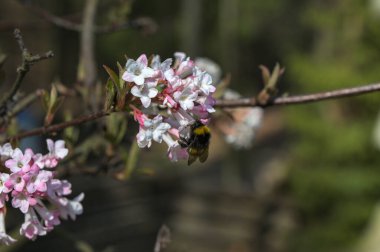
(196,141)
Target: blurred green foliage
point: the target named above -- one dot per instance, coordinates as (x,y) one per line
(334,175)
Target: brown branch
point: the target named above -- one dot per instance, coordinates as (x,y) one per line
(245,102)
(27,60)
(59,126)
(300,99)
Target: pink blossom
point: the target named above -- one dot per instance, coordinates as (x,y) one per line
(15,181)
(37,182)
(19,161)
(32,227)
(29,185)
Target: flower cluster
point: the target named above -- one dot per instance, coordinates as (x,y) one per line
(170,96)
(27,180)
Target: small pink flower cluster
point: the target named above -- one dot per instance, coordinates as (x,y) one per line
(181,90)
(27,178)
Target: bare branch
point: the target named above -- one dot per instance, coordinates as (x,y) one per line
(59,126)
(245,102)
(27,60)
(300,99)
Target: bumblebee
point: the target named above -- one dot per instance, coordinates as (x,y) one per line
(196,140)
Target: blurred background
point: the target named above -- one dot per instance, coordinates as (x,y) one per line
(309,182)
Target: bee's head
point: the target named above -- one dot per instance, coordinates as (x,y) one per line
(197,124)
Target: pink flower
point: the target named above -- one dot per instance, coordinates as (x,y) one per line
(19,161)
(16,182)
(37,182)
(32,227)
(29,185)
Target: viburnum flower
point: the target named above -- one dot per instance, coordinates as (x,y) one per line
(152,129)
(171,96)
(145,92)
(29,186)
(137,71)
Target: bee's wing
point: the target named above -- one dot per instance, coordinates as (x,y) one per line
(204,155)
(192,159)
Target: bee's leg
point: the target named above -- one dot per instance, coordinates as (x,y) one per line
(183,142)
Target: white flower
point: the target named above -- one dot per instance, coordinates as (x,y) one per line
(137,71)
(186,98)
(175,151)
(210,67)
(145,92)
(158,66)
(183,117)
(153,129)
(73,208)
(3,177)
(6,151)
(205,83)
(57,149)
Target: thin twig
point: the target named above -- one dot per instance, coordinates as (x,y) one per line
(59,126)
(21,105)
(27,60)
(300,99)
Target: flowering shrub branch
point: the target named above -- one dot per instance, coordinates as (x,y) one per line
(219,103)
(171,100)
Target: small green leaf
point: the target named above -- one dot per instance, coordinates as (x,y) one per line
(57,105)
(160,87)
(53,96)
(110,94)
(112,74)
(45,98)
(265,74)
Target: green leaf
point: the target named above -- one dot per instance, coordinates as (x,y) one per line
(112,74)
(110,94)
(265,74)
(45,98)
(121,81)
(57,104)
(53,96)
